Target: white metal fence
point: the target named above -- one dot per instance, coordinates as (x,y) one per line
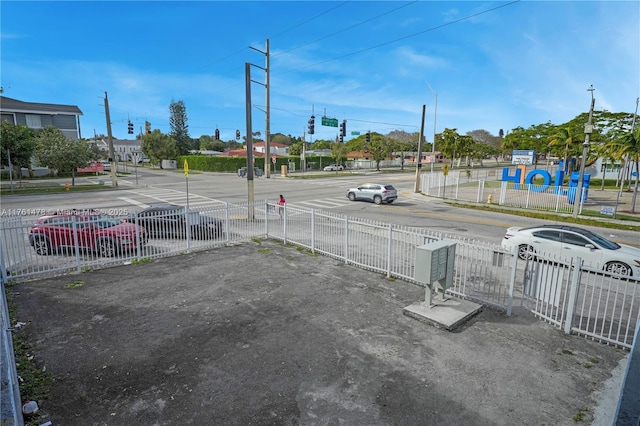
(485,186)
(563,292)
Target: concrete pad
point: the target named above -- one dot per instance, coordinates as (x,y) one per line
(447,314)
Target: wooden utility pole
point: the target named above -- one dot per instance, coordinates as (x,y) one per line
(419,156)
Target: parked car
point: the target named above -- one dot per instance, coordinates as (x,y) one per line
(106,164)
(334,168)
(377,192)
(88,230)
(565,241)
(170,221)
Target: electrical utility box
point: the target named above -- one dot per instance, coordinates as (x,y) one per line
(434,267)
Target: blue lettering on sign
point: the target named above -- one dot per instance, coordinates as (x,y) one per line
(546,182)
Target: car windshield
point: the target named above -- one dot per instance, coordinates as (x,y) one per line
(103,221)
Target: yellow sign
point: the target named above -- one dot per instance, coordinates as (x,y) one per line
(186,168)
(445,169)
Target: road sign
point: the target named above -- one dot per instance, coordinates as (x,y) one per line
(273,159)
(355,133)
(330,122)
(186,168)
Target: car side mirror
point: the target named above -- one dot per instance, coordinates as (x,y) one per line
(590,246)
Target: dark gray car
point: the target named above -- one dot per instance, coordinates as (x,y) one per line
(170,221)
(376,192)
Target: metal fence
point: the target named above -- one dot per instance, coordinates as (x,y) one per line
(484,186)
(484,272)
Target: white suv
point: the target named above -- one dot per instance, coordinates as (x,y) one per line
(377,192)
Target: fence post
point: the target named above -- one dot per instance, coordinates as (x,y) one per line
(573,294)
(512,280)
(346,239)
(76,244)
(284,225)
(266,217)
(138,237)
(389,248)
(313,231)
(503,193)
(228,221)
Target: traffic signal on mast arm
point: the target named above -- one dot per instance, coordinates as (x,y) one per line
(343,128)
(130,127)
(217,134)
(312,122)
(368,137)
(238,135)
(147,127)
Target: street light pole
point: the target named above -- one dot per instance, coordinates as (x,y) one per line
(435,115)
(588,129)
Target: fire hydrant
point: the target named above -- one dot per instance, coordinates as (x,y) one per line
(490,199)
(66,186)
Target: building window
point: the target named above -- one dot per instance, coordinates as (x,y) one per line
(33,121)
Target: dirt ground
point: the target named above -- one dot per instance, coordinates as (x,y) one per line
(264,334)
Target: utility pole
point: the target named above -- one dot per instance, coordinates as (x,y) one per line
(416,188)
(435,114)
(250,192)
(588,129)
(267,138)
(114,176)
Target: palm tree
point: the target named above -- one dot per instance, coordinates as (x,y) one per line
(564,138)
(628,146)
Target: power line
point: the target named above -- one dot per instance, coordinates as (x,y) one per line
(347,28)
(403,38)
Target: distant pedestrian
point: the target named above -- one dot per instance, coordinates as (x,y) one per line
(281,204)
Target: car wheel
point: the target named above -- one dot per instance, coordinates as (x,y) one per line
(525,252)
(106,248)
(352,196)
(618,268)
(41,246)
(377,199)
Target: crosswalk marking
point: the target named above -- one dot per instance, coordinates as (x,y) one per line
(170,196)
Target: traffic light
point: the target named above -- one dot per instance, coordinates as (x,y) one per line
(343,128)
(367,137)
(217,134)
(147,127)
(130,127)
(238,135)
(341,138)
(312,122)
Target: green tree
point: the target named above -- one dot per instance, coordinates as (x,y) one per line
(338,152)
(55,151)
(158,146)
(321,144)
(296,148)
(453,145)
(179,128)
(17,141)
(379,148)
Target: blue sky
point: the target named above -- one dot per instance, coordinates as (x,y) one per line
(493,65)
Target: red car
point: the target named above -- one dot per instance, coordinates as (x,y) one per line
(101,233)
